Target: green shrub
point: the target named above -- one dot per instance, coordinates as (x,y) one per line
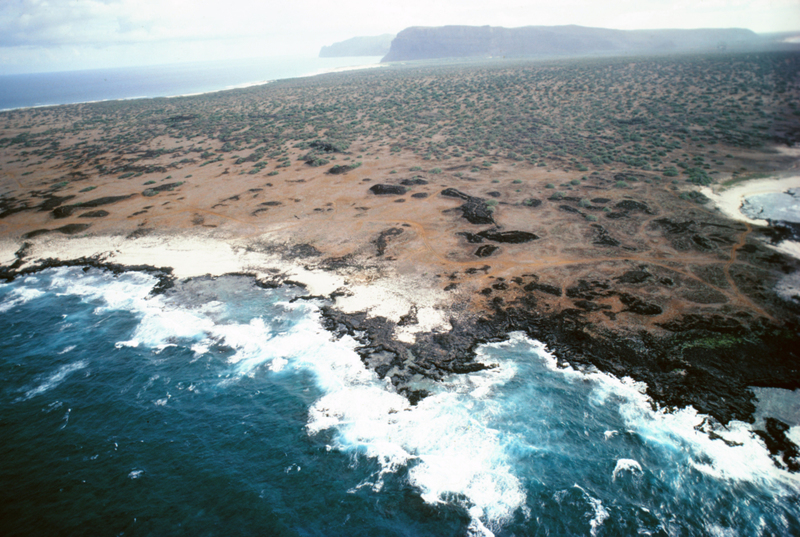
(670,171)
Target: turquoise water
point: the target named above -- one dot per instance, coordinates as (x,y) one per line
(68,87)
(221,408)
(778,206)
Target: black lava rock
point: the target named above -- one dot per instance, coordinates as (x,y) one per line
(381,242)
(486,250)
(779,445)
(387,190)
(475,210)
(544,288)
(508,237)
(472,238)
(95,214)
(603,238)
(637,305)
(632,206)
(453,193)
(66,210)
(634,277)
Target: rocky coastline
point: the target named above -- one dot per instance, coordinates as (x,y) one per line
(511,198)
(714,379)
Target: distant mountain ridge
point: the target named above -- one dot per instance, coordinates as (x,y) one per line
(359,46)
(421,43)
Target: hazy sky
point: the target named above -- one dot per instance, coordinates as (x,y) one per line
(49,35)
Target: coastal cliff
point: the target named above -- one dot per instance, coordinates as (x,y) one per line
(422,43)
(377,45)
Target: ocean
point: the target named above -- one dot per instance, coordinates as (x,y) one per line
(69,87)
(223,408)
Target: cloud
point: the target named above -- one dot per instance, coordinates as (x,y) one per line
(43,23)
(191,30)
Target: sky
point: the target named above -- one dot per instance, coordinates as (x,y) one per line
(62,35)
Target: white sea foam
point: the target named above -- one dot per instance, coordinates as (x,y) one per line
(124,292)
(444,439)
(715,530)
(53,380)
(160,322)
(448,442)
(200,348)
(65,419)
(626,465)
(599,512)
(736,454)
(19,296)
(450,452)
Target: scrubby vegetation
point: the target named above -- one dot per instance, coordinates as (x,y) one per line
(665,116)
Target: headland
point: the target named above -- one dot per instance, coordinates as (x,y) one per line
(439,206)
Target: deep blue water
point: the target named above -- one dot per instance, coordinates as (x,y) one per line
(222,408)
(40,89)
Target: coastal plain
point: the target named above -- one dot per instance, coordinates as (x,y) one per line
(449,204)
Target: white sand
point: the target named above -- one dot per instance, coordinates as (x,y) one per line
(7,250)
(378,293)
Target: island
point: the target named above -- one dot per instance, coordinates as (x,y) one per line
(377,45)
(436,206)
(419,43)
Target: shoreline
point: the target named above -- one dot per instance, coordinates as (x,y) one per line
(729,200)
(372,289)
(390,327)
(428,243)
(243,85)
(398,313)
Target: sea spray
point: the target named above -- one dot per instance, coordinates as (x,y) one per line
(220,394)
